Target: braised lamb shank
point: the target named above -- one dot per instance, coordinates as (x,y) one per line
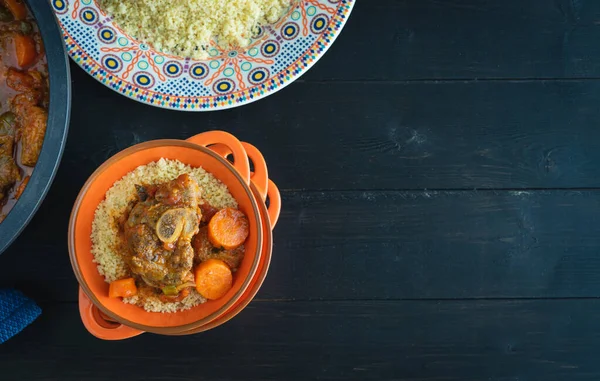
(159,231)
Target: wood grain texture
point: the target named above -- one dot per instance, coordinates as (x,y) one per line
(440,176)
(397,40)
(464,135)
(463,340)
(384,245)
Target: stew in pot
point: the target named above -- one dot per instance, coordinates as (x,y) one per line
(23,100)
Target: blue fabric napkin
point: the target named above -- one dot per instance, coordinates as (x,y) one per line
(16,312)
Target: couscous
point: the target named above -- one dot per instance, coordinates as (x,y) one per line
(187,28)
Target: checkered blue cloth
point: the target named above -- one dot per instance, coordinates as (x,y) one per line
(16,312)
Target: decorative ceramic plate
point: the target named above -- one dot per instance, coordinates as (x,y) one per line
(276,56)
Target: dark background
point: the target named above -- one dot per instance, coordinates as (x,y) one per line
(440,175)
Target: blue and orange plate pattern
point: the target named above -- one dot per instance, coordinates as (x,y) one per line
(275,57)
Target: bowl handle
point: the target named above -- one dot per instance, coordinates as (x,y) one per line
(274,207)
(260,178)
(266,187)
(222,138)
(99,324)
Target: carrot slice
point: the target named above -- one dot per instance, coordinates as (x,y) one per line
(25,48)
(21,188)
(122,288)
(17,8)
(213,279)
(228,228)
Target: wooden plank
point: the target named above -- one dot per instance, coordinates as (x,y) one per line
(394,40)
(383,245)
(376,136)
(463,340)
(389,245)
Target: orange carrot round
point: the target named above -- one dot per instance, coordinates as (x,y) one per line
(21,188)
(122,288)
(228,228)
(213,279)
(25,49)
(17,8)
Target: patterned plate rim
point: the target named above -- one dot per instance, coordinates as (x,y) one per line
(212,103)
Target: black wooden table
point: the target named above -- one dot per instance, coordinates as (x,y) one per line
(440,174)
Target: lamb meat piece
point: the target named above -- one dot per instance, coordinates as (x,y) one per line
(9,175)
(31,125)
(33,130)
(23,81)
(159,230)
(7,144)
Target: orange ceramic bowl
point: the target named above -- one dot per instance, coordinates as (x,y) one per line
(106,329)
(236,177)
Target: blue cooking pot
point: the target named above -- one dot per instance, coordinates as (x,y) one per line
(56,130)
